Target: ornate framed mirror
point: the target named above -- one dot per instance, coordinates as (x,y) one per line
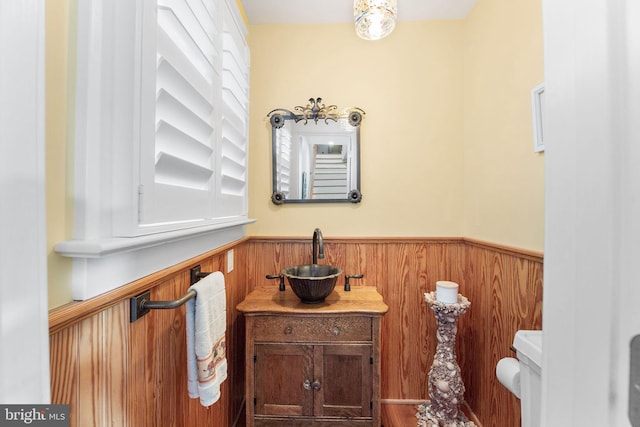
(316,154)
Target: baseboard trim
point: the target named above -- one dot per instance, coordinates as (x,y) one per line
(401,401)
(467,410)
(472,415)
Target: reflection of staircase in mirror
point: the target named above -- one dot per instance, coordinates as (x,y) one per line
(330,177)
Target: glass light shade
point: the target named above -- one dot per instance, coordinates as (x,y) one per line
(374,19)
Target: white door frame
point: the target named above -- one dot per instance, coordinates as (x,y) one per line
(592,209)
(24,352)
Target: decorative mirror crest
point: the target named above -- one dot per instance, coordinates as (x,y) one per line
(316,162)
(315,110)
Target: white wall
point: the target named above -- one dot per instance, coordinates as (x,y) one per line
(592,236)
(24,353)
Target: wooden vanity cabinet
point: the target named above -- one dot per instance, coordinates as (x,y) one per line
(313,365)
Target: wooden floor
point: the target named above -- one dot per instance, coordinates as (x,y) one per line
(393,415)
(404,415)
(396,415)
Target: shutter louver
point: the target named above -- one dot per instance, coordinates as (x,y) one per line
(235,98)
(183,154)
(234,160)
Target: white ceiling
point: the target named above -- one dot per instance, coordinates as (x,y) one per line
(334,11)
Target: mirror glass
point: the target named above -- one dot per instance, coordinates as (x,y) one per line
(316,154)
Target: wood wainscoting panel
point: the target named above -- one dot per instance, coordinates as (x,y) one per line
(506,295)
(91,399)
(113,372)
(402,270)
(140,408)
(118,373)
(408,338)
(503,284)
(116,348)
(64,368)
(89,368)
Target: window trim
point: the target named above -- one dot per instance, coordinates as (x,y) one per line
(102,265)
(106,167)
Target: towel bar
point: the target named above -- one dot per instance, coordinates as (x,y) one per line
(142,304)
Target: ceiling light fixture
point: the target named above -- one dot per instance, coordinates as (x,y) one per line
(374,19)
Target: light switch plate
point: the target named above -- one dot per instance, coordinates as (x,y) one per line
(230,261)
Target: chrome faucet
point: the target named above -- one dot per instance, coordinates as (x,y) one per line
(317,246)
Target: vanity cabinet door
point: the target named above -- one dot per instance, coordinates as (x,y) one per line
(313,380)
(345,373)
(283,373)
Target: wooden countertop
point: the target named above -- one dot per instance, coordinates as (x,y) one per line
(269,300)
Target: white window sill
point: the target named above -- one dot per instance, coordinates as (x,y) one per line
(102,265)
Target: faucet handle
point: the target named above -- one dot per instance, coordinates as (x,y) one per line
(347,285)
(277,276)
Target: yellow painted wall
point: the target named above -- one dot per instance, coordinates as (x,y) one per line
(59,170)
(410,85)
(447,147)
(446,141)
(504,178)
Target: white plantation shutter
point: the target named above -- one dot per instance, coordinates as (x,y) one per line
(160,149)
(180,115)
(232,192)
(194,110)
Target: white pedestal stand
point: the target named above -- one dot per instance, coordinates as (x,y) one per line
(446,389)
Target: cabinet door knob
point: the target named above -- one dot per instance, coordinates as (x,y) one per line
(316,385)
(288,330)
(336,330)
(306,385)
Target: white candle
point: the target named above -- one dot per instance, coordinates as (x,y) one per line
(447,292)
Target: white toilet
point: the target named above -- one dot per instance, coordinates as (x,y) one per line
(523,377)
